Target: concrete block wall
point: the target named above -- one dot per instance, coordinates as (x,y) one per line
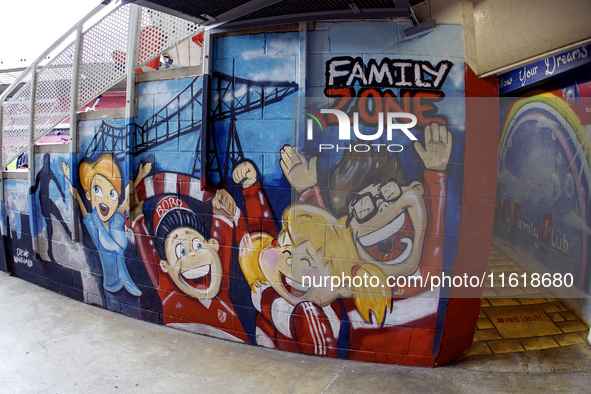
(230,213)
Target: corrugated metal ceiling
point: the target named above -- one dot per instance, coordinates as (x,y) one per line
(227,11)
(193,7)
(288,7)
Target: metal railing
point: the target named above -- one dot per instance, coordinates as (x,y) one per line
(97,59)
(47,96)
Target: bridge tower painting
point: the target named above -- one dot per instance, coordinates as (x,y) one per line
(200,211)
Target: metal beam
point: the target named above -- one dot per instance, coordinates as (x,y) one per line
(354,8)
(402,3)
(133,37)
(199,19)
(368,13)
(302,82)
(240,11)
(74,127)
(406,4)
(208,20)
(420,29)
(32,110)
(205,126)
(2,210)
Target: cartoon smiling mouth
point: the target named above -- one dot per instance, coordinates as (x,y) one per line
(392,243)
(104,209)
(294,288)
(199,277)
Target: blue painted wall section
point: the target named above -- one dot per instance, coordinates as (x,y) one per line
(227,257)
(543,194)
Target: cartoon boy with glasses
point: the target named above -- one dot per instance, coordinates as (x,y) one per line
(364,207)
(389,218)
(395,225)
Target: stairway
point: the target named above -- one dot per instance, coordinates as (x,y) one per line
(44,96)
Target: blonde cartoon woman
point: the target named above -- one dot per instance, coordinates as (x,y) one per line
(101,181)
(293,274)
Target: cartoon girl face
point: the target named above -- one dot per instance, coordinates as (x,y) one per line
(284,266)
(193,263)
(103,197)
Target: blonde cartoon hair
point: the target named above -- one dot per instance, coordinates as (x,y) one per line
(251,246)
(304,222)
(371,299)
(105,166)
(309,222)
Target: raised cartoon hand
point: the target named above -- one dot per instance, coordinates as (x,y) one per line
(66,169)
(245,174)
(224,204)
(137,211)
(435,154)
(143,171)
(300,173)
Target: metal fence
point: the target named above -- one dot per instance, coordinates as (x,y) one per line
(83,70)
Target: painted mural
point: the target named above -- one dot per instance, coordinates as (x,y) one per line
(543,196)
(212,226)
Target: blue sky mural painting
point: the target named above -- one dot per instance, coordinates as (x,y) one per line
(211,225)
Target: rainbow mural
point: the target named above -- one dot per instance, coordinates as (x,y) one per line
(543,198)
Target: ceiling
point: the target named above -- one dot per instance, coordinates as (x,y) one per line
(243,14)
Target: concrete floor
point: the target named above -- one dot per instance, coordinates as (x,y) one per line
(50,343)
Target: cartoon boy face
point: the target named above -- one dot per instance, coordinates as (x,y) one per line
(193,263)
(388,224)
(103,197)
(285,265)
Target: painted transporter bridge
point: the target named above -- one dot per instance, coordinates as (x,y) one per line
(205,206)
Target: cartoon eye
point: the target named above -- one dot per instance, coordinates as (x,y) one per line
(113,195)
(390,191)
(363,207)
(180,251)
(305,260)
(98,191)
(197,244)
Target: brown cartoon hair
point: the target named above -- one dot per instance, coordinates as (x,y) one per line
(357,170)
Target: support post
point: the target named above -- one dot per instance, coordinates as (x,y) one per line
(303,49)
(133,37)
(303,62)
(206,67)
(74,129)
(297,121)
(2,206)
(32,185)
